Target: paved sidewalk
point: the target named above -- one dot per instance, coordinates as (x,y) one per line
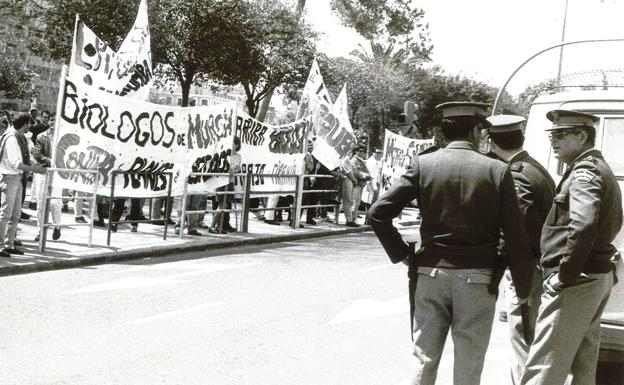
(71,250)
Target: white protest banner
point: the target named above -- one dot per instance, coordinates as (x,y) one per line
(104,132)
(398,153)
(136,50)
(267,149)
(333,139)
(95,64)
(333,136)
(314,93)
(341,108)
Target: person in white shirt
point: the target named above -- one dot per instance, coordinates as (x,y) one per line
(13,161)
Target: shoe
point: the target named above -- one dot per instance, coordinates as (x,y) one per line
(158,222)
(36,239)
(310,222)
(114,228)
(4,254)
(24,216)
(13,250)
(56,234)
(99,223)
(214,231)
(272,222)
(352,224)
(32,205)
(170,222)
(17,242)
(65,208)
(80,219)
(194,232)
(134,229)
(227,227)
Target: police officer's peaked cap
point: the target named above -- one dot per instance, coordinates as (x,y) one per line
(570,119)
(505,123)
(457,109)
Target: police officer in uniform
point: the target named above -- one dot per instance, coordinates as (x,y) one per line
(535,189)
(465,199)
(584,219)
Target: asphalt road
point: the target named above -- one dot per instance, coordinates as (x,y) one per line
(324,311)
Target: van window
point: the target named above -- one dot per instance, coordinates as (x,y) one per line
(612,144)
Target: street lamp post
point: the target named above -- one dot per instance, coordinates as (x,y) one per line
(563,31)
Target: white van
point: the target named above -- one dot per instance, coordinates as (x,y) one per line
(609,106)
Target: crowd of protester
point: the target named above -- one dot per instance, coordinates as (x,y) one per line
(26,141)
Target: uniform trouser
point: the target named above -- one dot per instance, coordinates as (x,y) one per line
(54,205)
(567,334)
(10,209)
(520,349)
(347,199)
(455,299)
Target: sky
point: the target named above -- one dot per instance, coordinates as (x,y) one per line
(488,39)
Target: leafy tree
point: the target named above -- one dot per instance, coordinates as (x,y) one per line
(396,21)
(14,77)
(284,48)
(255,44)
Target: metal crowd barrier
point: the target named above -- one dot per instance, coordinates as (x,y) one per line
(336,206)
(44,224)
(184,212)
(246,194)
(112,222)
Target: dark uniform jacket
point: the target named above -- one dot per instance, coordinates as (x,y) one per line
(535,189)
(584,219)
(465,200)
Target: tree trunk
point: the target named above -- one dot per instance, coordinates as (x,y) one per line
(251,107)
(186,89)
(264,107)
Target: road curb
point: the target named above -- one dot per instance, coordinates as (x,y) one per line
(125,255)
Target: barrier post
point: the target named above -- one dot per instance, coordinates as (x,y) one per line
(183,209)
(110,209)
(298,199)
(246,199)
(43,229)
(168,208)
(93,206)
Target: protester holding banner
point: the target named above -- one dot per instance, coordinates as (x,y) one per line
(348,169)
(221,220)
(14,160)
(361,173)
(41,154)
(371,190)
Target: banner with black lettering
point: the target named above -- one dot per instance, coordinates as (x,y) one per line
(267,149)
(125,73)
(104,132)
(398,154)
(332,133)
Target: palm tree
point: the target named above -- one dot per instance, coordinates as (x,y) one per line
(382,54)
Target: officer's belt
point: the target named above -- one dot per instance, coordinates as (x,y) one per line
(465,258)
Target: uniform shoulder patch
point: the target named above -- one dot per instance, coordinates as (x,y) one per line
(583,176)
(516,166)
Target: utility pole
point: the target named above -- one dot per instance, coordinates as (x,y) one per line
(563,30)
